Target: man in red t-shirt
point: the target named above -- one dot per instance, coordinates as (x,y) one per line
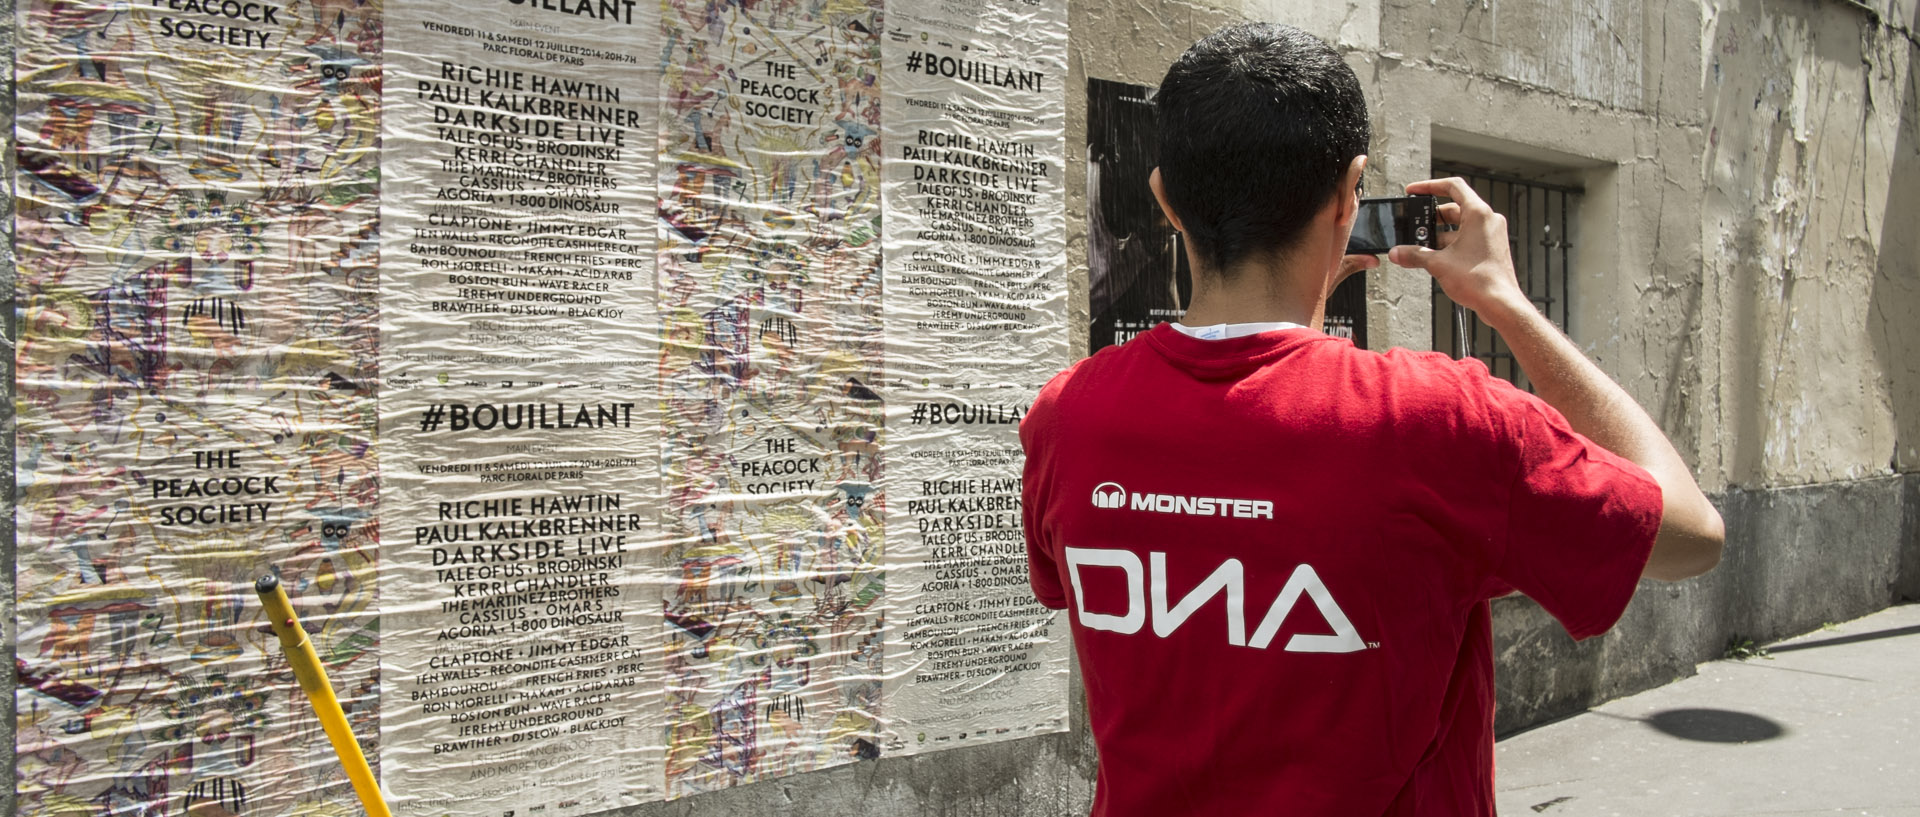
(1277,549)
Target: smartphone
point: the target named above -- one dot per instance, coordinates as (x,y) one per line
(1385,223)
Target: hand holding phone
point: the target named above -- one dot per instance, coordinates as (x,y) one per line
(1385,223)
(1474,267)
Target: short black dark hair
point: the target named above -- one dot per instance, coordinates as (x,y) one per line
(1257,123)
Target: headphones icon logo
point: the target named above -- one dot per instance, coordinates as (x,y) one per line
(1109,495)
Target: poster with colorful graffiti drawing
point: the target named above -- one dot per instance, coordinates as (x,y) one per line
(769,286)
(197,221)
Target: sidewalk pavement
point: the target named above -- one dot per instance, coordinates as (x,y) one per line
(1829,724)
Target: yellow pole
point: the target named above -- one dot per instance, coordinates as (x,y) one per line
(313,678)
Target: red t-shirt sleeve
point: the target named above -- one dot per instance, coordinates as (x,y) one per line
(1580,521)
(1043,573)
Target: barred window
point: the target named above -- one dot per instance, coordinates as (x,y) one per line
(1540,219)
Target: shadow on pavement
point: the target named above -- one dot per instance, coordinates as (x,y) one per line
(1895,632)
(1715,725)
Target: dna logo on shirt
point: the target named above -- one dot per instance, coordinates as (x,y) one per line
(1148,598)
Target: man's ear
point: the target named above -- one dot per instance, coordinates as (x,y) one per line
(1347,196)
(1160,195)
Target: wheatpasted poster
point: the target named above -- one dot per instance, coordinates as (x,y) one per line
(196,228)
(518,416)
(973,113)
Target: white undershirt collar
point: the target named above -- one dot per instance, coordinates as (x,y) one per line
(1224,331)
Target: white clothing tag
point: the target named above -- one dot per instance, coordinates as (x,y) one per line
(1224,331)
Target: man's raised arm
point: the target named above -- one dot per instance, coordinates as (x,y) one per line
(1475,270)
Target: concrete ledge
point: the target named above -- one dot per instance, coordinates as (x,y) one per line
(1907,580)
(1796,558)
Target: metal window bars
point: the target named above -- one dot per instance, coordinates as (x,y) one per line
(1540,218)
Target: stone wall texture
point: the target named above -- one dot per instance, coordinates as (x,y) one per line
(1749,269)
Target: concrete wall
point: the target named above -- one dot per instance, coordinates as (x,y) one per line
(1748,267)
(1747,271)
(1894,298)
(1810,111)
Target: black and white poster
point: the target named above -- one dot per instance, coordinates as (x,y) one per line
(1138,268)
